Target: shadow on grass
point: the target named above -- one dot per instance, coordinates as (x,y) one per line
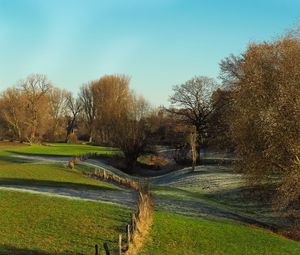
(103,151)
(41,154)
(12,159)
(180,175)
(245,201)
(229,204)
(217,161)
(45,183)
(245,197)
(10,250)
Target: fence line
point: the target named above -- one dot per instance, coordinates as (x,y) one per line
(141,219)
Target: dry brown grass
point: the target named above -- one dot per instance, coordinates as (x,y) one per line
(141,223)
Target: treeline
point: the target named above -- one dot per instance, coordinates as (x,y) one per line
(106,112)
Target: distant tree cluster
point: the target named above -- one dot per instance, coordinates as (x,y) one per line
(105,112)
(32,110)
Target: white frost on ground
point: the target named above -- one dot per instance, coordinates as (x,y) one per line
(204,179)
(125,198)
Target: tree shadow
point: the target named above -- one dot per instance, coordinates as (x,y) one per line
(56,184)
(187,172)
(40,154)
(12,159)
(245,201)
(10,250)
(105,152)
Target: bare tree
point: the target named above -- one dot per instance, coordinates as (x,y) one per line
(58,103)
(111,99)
(13,112)
(219,124)
(192,102)
(74,107)
(35,87)
(131,132)
(88,107)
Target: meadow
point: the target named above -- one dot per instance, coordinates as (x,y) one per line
(192,210)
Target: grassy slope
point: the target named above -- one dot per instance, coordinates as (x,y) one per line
(53,175)
(20,172)
(220,187)
(188,236)
(61,149)
(176,234)
(35,224)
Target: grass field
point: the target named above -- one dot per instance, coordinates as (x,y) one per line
(35,224)
(38,224)
(59,149)
(176,234)
(43,225)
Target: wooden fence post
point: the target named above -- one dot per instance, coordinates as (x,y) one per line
(96,249)
(120,244)
(133,222)
(128,234)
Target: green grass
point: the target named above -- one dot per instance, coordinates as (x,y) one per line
(19,171)
(61,149)
(176,234)
(36,224)
(40,225)
(53,175)
(231,202)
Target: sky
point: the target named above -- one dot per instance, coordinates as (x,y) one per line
(158,43)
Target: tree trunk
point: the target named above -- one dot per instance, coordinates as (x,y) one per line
(193,143)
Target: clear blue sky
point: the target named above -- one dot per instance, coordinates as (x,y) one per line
(159,43)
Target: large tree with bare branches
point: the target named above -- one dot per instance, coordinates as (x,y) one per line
(111,96)
(35,88)
(88,108)
(58,110)
(131,131)
(74,107)
(13,112)
(192,102)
